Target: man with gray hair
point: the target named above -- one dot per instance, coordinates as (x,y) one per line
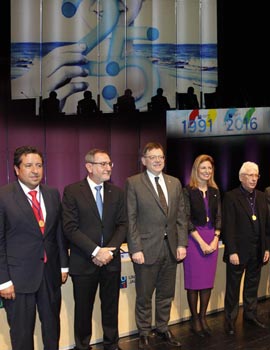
(94,223)
(246,235)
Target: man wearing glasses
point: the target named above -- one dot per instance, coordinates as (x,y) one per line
(246,235)
(95,225)
(157,239)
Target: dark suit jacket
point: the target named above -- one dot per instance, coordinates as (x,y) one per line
(237,224)
(86,107)
(191,101)
(126,104)
(267,193)
(50,106)
(22,243)
(147,220)
(83,226)
(159,103)
(195,207)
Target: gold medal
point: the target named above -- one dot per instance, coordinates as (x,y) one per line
(207,219)
(254,217)
(41,223)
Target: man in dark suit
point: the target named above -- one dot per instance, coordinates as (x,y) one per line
(87,106)
(157,239)
(191,101)
(246,235)
(126,102)
(267,193)
(95,239)
(51,105)
(32,252)
(159,102)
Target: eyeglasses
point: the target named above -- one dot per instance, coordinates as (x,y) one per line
(155,157)
(103,164)
(257,176)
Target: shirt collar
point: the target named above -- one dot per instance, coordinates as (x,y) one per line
(26,189)
(247,193)
(152,176)
(92,184)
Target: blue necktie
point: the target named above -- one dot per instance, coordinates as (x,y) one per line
(99,200)
(100,207)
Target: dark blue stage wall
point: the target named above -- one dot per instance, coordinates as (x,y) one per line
(65,140)
(231,136)
(228,152)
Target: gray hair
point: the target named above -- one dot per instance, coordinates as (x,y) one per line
(90,155)
(248,166)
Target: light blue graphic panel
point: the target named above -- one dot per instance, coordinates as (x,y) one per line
(107,46)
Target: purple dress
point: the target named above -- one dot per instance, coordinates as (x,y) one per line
(200,269)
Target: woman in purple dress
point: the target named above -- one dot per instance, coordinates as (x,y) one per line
(203,206)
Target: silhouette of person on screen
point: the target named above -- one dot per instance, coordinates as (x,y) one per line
(191,101)
(51,105)
(87,105)
(214,99)
(159,103)
(126,102)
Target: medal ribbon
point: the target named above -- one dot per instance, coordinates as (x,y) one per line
(37,210)
(38,214)
(251,201)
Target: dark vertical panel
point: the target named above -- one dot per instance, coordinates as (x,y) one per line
(93,133)
(23,129)
(3,157)
(64,142)
(152,128)
(243,64)
(229,153)
(125,136)
(4,87)
(62,152)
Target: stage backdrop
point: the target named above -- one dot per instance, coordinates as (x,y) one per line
(231,136)
(106,46)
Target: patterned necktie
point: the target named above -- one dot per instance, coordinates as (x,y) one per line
(100,207)
(38,214)
(161,195)
(37,210)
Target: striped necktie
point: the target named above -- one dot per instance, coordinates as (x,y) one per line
(38,214)
(161,195)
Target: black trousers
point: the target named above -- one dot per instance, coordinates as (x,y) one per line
(21,315)
(84,289)
(234,275)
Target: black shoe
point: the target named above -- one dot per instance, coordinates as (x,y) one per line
(198,333)
(143,342)
(207,331)
(255,322)
(196,327)
(230,327)
(169,338)
(205,328)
